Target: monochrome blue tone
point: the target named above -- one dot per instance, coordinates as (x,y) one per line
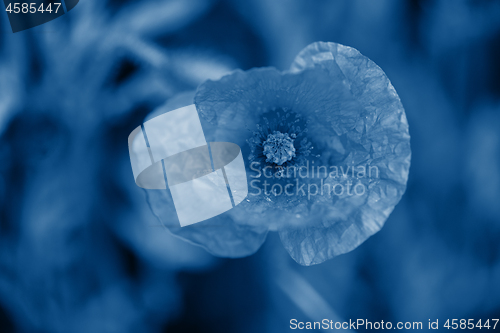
(346,113)
(26,15)
(83,249)
(279,148)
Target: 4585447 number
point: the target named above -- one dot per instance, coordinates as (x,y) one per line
(32,8)
(470,324)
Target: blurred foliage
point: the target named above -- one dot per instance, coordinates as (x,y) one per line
(80,249)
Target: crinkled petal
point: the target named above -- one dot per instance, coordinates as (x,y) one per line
(383,140)
(233,106)
(237,101)
(220,235)
(354,117)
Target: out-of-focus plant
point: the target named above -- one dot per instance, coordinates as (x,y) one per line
(80,251)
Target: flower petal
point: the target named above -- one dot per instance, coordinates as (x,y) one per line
(220,235)
(382,140)
(354,118)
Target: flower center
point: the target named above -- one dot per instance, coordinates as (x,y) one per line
(278,148)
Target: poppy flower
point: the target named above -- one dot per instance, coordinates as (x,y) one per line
(327,153)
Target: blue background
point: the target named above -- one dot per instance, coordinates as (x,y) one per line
(80,250)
